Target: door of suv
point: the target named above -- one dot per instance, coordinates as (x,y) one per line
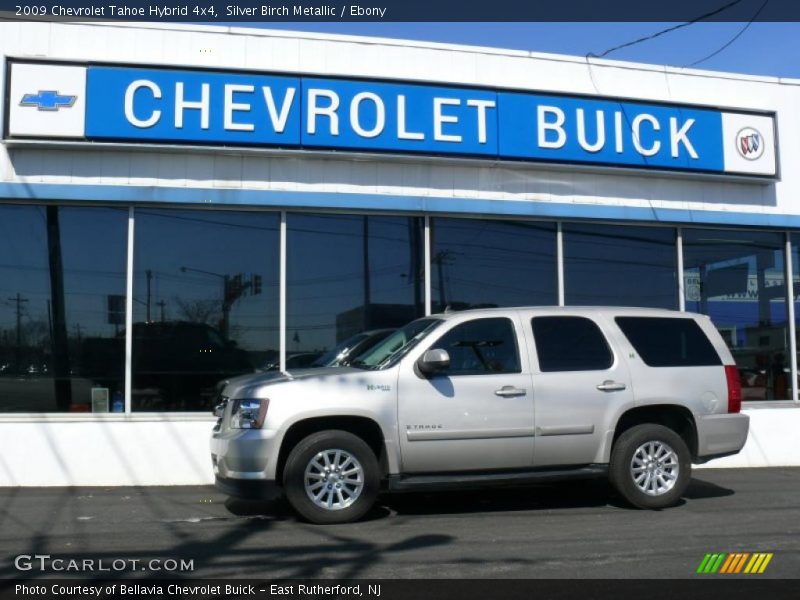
(478,414)
(579,385)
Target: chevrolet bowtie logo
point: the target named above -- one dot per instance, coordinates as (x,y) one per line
(47,100)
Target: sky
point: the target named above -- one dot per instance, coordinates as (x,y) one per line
(761,49)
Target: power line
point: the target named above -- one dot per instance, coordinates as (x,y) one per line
(668,30)
(734,38)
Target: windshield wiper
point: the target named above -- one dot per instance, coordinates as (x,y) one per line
(358,364)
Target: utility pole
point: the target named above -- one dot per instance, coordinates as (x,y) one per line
(233,288)
(365,265)
(19,300)
(415,234)
(50,319)
(62,385)
(442,258)
(161,304)
(228,298)
(149,274)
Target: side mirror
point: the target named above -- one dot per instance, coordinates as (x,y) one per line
(434,361)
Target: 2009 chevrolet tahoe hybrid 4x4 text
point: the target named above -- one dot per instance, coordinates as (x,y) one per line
(491,396)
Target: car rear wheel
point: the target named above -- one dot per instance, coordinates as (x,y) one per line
(331,477)
(650,466)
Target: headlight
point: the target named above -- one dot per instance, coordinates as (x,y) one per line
(249,413)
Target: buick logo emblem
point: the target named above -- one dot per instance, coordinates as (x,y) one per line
(750,143)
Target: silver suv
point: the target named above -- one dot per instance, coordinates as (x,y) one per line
(488,397)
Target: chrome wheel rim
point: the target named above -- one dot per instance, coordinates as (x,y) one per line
(333,479)
(655,468)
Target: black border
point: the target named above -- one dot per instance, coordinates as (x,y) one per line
(451,11)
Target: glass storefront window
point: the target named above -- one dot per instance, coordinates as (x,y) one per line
(620,265)
(347,274)
(737,278)
(206,288)
(486,263)
(62,308)
(205,303)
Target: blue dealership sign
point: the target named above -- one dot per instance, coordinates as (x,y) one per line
(153,105)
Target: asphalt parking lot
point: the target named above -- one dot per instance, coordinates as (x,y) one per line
(559,531)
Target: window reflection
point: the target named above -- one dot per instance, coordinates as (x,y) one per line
(485,263)
(737,278)
(205,303)
(347,274)
(205,298)
(62,306)
(620,266)
(481,347)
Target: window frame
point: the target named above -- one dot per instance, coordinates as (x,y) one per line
(134,230)
(64,210)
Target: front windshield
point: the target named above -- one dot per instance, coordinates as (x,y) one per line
(394,347)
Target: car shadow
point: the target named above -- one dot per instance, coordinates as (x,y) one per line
(699,489)
(279,510)
(564,495)
(584,494)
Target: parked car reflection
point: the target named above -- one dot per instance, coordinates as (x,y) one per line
(346,351)
(340,355)
(176,364)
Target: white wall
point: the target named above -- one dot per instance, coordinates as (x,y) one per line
(59,453)
(163,452)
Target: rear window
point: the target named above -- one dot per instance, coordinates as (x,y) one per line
(570,344)
(665,342)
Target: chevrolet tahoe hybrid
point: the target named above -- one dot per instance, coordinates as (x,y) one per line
(489,397)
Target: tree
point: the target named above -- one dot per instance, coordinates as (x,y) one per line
(199,310)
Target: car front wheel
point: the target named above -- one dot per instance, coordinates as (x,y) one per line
(331,477)
(650,466)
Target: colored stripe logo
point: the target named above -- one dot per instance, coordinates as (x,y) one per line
(735,562)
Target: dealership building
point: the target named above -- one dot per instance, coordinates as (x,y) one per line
(181,204)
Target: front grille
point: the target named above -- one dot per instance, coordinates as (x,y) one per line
(219,410)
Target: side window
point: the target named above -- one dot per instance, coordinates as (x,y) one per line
(481,347)
(570,344)
(669,342)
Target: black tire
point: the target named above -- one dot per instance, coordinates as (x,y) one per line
(294,480)
(621,474)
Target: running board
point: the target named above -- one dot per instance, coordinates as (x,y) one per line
(453,481)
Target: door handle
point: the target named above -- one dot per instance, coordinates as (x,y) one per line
(509,390)
(611,386)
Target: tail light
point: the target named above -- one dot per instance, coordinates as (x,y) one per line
(734,388)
